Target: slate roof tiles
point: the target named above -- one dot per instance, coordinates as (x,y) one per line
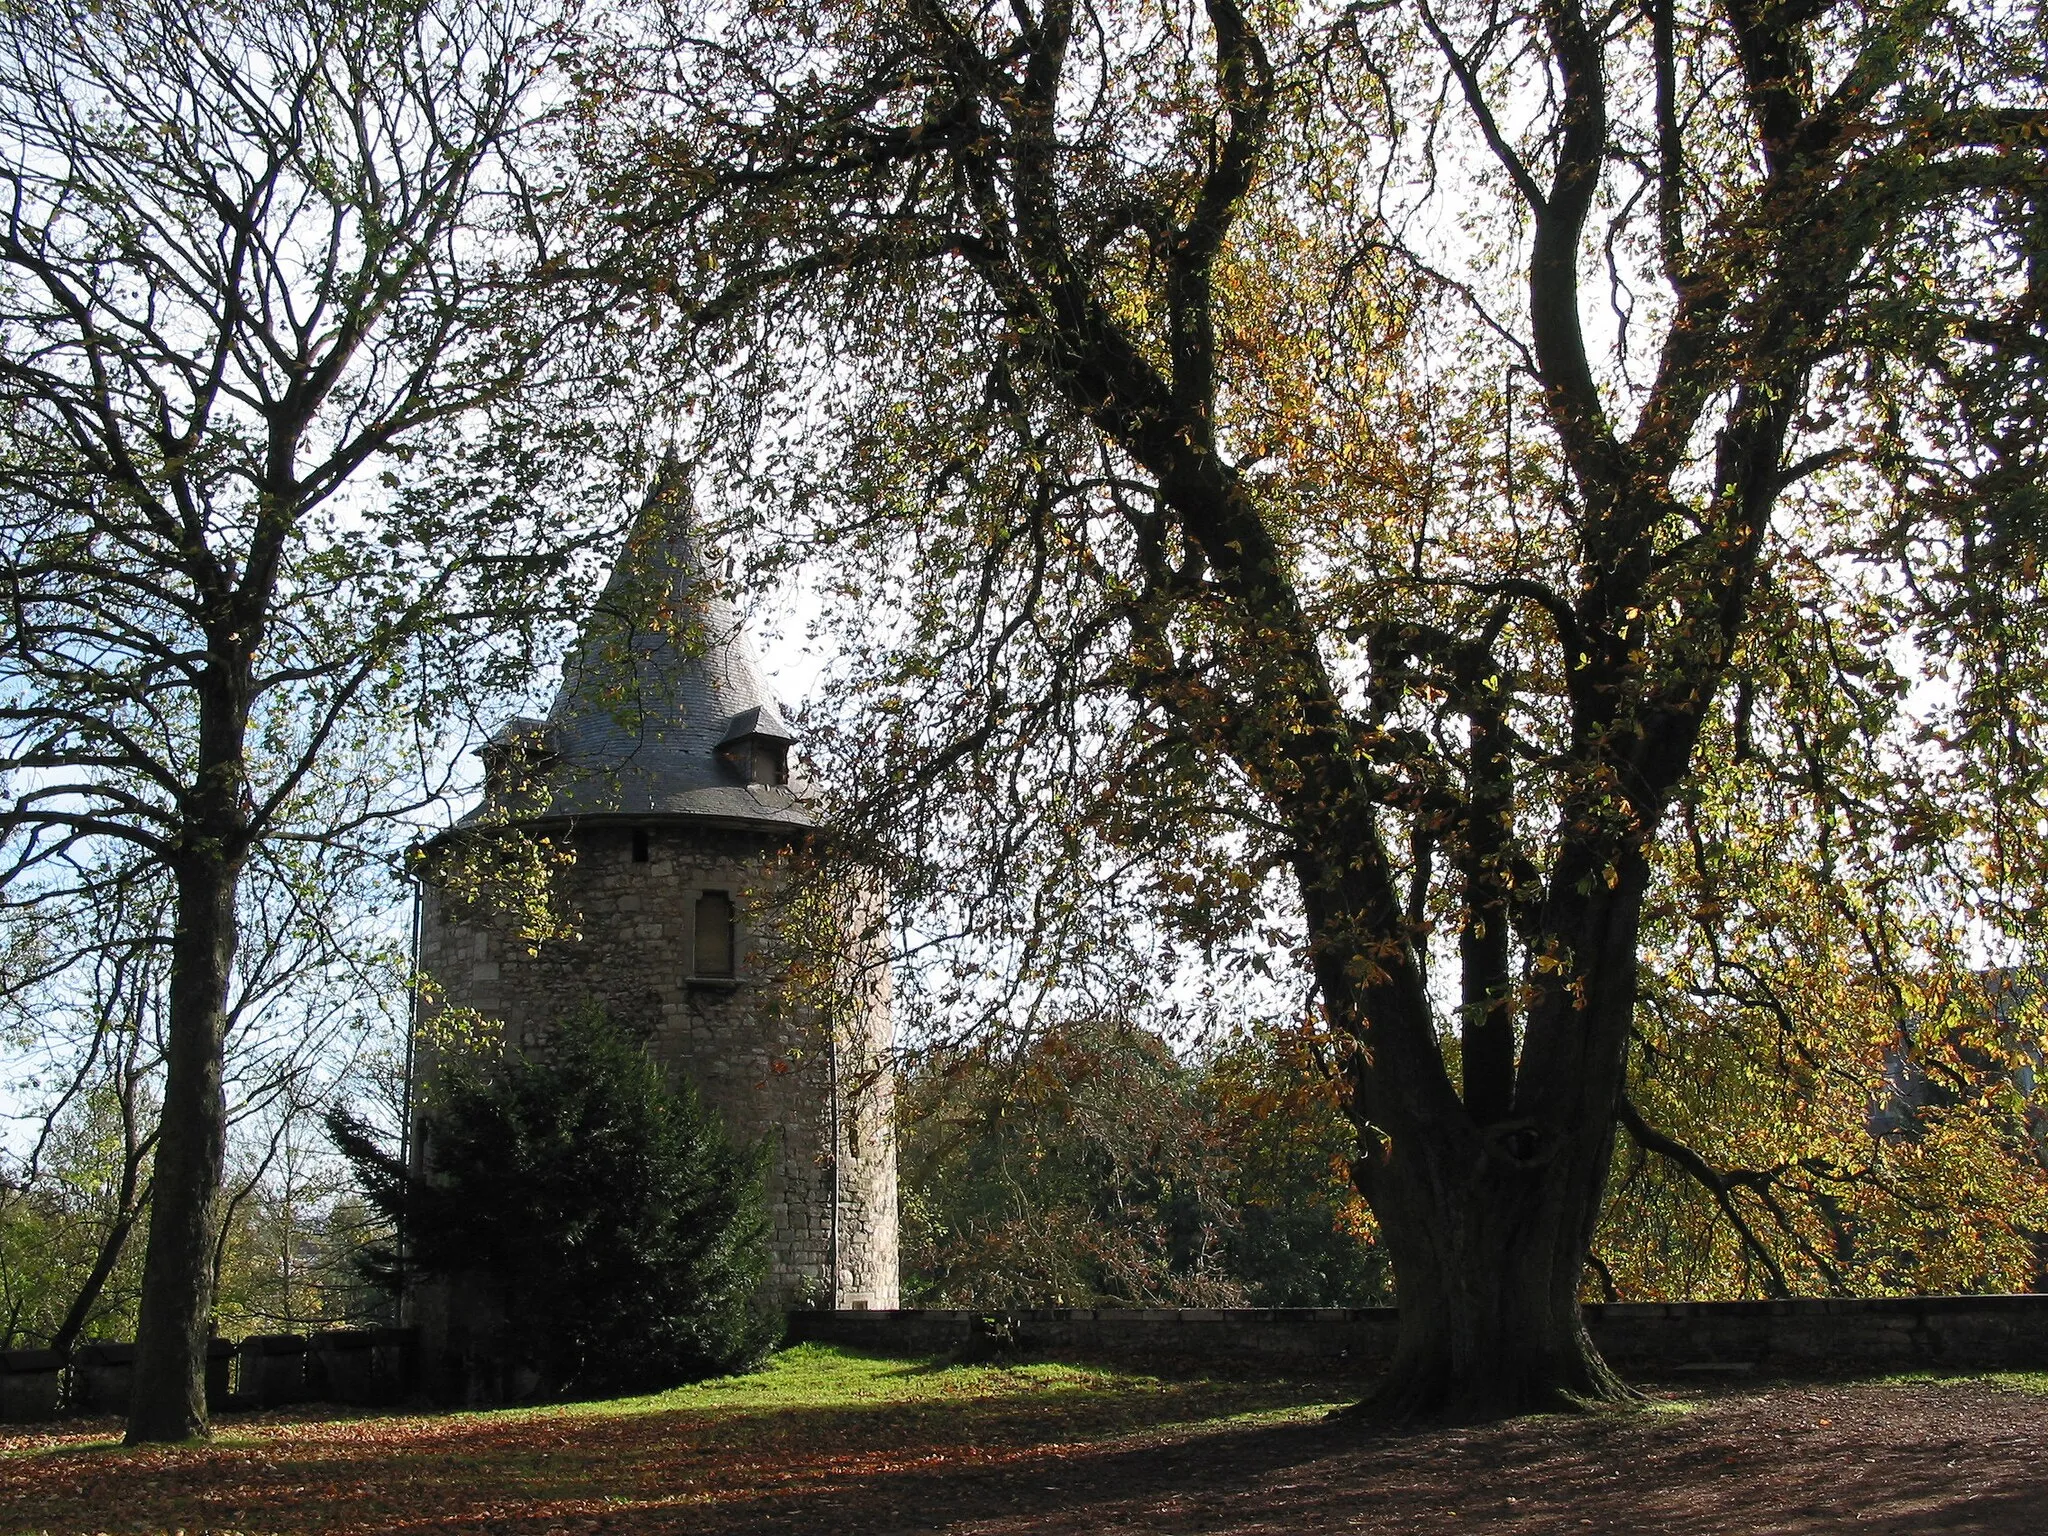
(659,681)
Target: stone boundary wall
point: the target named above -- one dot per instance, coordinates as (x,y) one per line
(364,1367)
(1769,1337)
(378,1366)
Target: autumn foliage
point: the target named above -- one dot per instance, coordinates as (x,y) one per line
(1095,1166)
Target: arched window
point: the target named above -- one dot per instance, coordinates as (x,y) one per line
(714,934)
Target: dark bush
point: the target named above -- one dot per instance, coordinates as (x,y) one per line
(608,1217)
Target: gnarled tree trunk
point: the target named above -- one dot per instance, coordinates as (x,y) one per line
(1488,1232)
(1487,1191)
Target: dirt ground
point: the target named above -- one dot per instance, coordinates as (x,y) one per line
(1923,1457)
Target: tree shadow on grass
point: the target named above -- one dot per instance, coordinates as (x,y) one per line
(1966,1458)
(509,1471)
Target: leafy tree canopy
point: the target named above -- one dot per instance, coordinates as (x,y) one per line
(1094,1167)
(1447,473)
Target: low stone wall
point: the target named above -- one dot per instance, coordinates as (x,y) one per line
(1891,1333)
(364,1367)
(1301,1338)
(31,1385)
(1771,1337)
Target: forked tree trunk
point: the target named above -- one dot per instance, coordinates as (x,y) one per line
(169,1395)
(1488,1199)
(1488,1233)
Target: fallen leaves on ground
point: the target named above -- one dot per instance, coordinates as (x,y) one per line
(826,1440)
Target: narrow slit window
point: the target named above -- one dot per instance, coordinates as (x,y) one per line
(640,845)
(714,934)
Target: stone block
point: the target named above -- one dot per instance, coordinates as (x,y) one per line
(396,1359)
(220,1370)
(102,1377)
(341,1366)
(31,1385)
(271,1369)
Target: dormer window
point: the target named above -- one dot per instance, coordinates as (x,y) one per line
(759,760)
(517,754)
(757,746)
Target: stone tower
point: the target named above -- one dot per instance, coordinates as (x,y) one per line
(662,772)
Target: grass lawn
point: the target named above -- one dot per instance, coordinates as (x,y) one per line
(813,1417)
(831,1441)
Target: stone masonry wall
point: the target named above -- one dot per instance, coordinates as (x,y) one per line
(758,1046)
(1788,1338)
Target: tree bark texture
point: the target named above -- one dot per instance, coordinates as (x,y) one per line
(1487,1200)
(1488,1228)
(1488,1248)
(169,1401)
(169,1394)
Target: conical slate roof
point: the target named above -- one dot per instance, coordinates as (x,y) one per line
(658,691)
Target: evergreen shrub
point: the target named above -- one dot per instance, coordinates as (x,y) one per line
(609,1216)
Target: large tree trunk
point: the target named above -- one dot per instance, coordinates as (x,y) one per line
(1488,1231)
(169,1401)
(1487,1199)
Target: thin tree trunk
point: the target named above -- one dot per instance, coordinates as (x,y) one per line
(131,1201)
(111,1247)
(169,1401)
